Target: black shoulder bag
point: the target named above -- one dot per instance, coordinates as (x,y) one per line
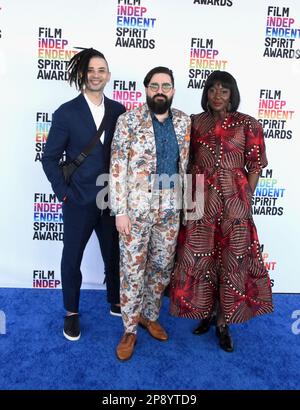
(69,168)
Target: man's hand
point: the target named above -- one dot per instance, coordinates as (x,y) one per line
(123,224)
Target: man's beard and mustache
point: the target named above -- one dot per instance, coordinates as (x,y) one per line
(159,106)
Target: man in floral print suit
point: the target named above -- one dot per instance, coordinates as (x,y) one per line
(149,156)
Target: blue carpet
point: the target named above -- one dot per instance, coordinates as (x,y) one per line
(35,355)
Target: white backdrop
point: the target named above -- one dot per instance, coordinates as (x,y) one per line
(258,42)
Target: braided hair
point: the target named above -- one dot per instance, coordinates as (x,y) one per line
(79,64)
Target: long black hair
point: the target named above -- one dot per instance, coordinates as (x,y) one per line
(79,64)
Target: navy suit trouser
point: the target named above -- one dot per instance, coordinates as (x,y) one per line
(79,223)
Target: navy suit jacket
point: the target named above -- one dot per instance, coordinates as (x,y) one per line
(72,129)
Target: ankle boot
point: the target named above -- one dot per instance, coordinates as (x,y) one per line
(204,326)
(225,339)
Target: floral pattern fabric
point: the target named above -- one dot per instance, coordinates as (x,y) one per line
(133,159)
(147,253)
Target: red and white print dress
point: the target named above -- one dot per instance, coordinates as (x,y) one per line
(218,256)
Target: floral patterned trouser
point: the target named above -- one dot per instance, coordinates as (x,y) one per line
(146,261)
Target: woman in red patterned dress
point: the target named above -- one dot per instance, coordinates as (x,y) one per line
(219,275)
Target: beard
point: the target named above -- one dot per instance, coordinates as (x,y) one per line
(160,106)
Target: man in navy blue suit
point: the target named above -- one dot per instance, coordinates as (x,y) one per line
(74,125)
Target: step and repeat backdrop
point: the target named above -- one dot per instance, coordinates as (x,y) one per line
(258,42)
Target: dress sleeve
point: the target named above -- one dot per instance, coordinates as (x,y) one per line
(255,149)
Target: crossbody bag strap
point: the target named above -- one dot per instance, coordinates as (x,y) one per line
(73,165)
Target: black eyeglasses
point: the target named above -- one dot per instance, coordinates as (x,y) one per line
(166,87)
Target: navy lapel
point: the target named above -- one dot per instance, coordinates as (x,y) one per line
(109,120)
(85,113)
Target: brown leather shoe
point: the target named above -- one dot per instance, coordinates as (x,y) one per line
(125,348)
(154,328)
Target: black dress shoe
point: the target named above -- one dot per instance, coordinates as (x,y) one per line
(204,326)
(225,341)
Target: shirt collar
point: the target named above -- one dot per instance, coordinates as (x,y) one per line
(92,105)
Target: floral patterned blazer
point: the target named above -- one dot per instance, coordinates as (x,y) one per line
(133,159)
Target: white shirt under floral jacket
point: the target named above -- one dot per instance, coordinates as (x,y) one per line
(133,160)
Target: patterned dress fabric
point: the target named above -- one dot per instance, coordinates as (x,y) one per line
(218,255)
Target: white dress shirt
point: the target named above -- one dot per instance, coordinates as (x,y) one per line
(97,113)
